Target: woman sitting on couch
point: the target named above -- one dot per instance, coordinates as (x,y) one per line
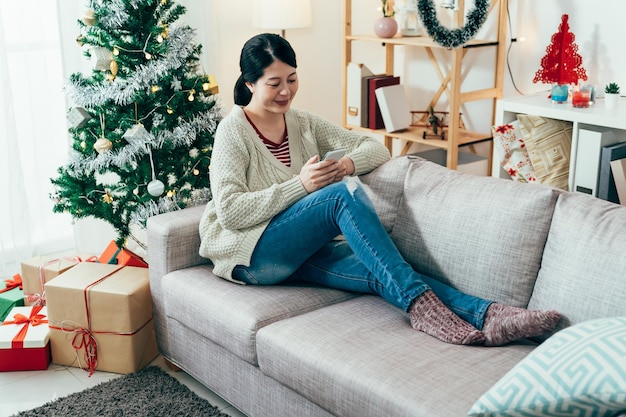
(277,210)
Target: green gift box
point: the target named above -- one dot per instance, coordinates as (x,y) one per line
(10,299)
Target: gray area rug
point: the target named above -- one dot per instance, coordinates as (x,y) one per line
(149,392)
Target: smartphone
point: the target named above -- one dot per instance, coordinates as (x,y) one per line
(335,155)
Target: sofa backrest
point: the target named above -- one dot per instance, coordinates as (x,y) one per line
(483,235)
(583,272)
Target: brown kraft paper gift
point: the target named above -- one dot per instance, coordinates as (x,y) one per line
(100,318)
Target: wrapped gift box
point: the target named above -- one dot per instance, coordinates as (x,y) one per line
(121,256)
(39,270)
(101,318)
(11,295)
(24,343)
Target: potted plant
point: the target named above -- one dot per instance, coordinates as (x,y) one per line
(611,95)
(386,26)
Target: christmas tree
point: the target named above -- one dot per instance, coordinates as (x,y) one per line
(562,64)
(142,123)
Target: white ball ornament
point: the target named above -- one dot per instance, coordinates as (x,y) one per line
(156,188)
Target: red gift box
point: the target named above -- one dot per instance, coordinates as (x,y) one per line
(121,256)
(24,340)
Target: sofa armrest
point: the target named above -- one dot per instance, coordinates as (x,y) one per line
(173,241)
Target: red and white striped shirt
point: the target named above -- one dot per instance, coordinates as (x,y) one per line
(280,151)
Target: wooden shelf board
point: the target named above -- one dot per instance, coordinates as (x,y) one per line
(424,41)
(414,134)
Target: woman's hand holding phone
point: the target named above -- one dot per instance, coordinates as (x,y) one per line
(317,174)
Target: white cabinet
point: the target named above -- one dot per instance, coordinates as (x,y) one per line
(594,118)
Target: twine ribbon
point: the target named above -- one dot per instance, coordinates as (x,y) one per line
(10,284)
(39,299)
(34,319)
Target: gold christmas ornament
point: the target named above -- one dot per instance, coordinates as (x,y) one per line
(154,89)
(103,145)
(80,40)
(114,68)
(148,56)
(107,197)
(116,51)
(191,95)
(89,17)
(83,145)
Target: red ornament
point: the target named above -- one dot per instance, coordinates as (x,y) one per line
(562,64)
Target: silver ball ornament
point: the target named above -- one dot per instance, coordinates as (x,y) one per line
(156,188)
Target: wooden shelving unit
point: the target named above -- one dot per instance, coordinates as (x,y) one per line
(450,77)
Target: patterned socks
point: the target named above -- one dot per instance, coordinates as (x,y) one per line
(429,315)
(504,324)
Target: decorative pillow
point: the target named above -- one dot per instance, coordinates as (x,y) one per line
(513,153)
(549,144)
(580,371)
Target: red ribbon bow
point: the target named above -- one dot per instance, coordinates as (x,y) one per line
(16,282)
(35,319)
(84,339)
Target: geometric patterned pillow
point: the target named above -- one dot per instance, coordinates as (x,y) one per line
(579,371)
(549,144)
(512,151)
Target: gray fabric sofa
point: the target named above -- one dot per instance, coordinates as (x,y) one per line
(306,351)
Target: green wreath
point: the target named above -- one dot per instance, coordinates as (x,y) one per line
(455,37)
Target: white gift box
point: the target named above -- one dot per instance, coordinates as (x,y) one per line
(25,340)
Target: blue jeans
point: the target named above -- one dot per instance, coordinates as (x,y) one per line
(298,245)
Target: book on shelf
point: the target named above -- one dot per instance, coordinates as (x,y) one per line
(618,167)
(375,118)
(606,183)
(356,94)
(394,107)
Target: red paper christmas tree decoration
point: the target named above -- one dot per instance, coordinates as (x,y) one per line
(562,64)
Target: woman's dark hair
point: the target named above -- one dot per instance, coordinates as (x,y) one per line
(257,54)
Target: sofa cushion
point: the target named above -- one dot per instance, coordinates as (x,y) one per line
(231,314)
(482,235)
(579,371)
(583,272)
(384,187)
(508,142)
(549,144)
(361,358)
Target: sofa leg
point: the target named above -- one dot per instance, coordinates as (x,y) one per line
(171,365)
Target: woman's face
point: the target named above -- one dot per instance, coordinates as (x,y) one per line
(275,90)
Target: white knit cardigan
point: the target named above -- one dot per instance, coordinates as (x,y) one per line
(250,186)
